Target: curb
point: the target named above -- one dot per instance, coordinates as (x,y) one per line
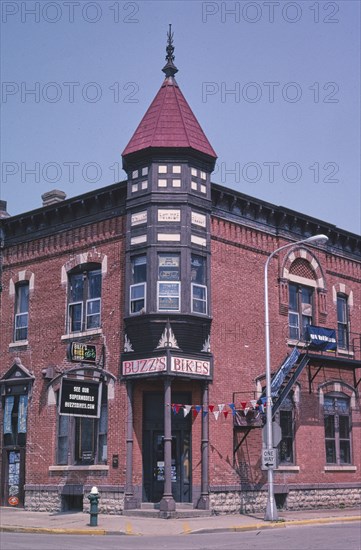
(233,528)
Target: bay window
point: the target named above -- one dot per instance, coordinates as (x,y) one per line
(198,284)
(169,282)
(138,285)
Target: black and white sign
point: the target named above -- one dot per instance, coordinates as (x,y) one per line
(80,398)
(269,458)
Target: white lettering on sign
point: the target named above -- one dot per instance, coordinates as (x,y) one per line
(138,218)
(168,215)
(142,366)
(190,366)
(198,219)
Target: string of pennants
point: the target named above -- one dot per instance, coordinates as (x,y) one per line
(222,409)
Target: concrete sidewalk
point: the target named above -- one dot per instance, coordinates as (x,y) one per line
(19,520)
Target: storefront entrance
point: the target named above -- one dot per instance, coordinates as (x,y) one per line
(153,449)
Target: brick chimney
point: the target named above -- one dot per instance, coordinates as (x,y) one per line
(3,212)
(52,197)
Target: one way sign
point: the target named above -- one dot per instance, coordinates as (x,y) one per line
(269,458)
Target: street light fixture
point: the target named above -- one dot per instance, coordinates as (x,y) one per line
(271,510)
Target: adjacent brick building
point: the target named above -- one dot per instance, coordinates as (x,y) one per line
(133,344)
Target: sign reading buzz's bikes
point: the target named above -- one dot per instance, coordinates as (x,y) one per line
(175,365)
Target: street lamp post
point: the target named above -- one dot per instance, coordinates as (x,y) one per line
(271,510)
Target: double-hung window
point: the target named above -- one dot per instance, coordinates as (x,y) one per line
(300,310)
(84,304)
(337,419)
(198,284)
(169,282)
(21,312)
(342,322)
(138,288)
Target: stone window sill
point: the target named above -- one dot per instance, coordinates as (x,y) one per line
(72,468)
(286,468)
(336,468)
(74,335)
(18,344)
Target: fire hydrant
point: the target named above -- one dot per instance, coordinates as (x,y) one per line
(94,499)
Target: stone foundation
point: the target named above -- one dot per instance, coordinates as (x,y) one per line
(110,502)
(248,502)
(59,499)
(46,499)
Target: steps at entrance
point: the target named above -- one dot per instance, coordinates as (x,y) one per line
(151,510)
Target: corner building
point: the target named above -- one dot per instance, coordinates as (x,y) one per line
(132,340)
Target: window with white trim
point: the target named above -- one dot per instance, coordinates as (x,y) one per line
(337,419)
(138,287)
(198,284)
(342,322)
(21,311)
(300,310)
(169,287)
(84,298)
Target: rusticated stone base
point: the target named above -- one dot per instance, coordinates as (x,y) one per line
(248,502)
(54,498)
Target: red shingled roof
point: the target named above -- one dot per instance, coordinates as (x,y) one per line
(169,122)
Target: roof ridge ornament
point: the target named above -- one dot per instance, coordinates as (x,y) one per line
(170,69)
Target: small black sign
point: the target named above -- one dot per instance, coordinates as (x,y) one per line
(85,353)
(80,398)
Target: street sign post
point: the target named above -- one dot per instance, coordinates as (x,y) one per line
(269,459)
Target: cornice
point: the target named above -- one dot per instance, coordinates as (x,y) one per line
(280,221)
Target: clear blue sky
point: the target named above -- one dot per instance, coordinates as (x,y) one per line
(274,84)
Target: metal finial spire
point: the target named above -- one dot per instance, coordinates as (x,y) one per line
(170,69)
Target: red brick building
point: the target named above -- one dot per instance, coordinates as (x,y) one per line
(132,352)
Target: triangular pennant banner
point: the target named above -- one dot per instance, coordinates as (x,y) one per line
(246,411)
(253,403)
(211,408)
(243,404)
(216,414)
(195,413)
(198,408)
(186,409)
(225,414)
(205,413)
(221,407)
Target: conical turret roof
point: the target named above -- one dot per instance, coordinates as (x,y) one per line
(169,121)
